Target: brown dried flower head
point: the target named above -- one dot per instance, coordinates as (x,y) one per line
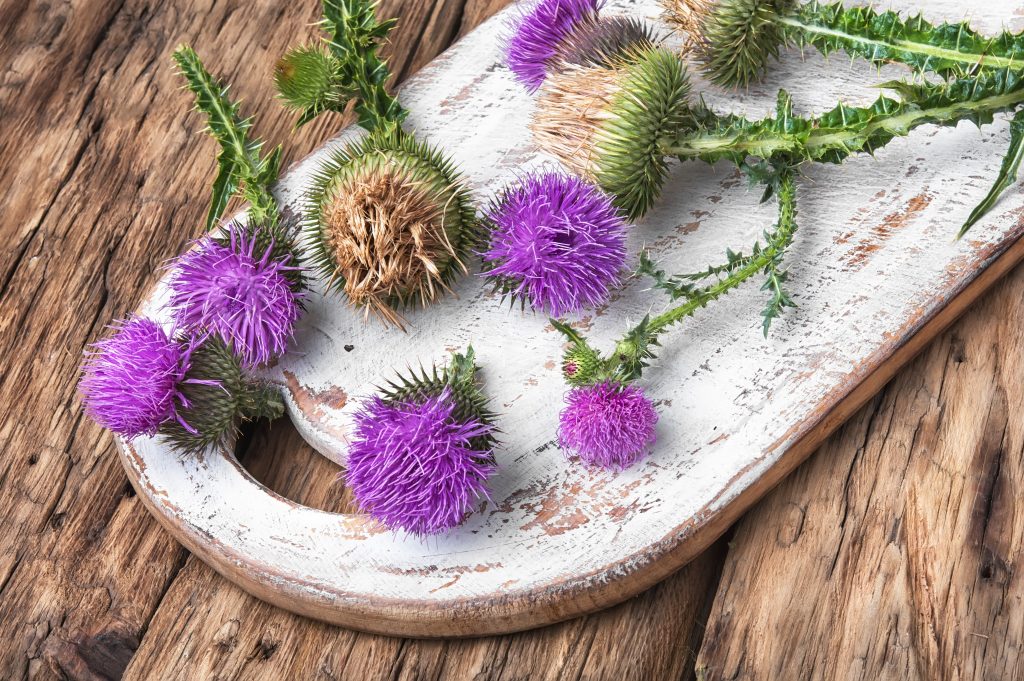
(390,225)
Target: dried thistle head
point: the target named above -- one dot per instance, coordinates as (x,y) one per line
(389,224)
(606,123)
(732,39)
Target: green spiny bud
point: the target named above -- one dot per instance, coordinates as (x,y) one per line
(607,123)
(733,39)
(219,396)
(581,366)
(309,78)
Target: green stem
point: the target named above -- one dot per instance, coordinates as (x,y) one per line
(822,139)
(761,260)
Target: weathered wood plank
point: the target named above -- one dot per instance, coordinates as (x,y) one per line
(895,553)
(208,628)
(101,164)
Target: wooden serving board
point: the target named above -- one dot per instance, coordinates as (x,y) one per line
(874,269)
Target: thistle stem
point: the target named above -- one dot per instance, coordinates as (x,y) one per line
(820,140)
(777,242)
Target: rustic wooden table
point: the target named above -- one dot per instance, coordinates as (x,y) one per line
(891,553)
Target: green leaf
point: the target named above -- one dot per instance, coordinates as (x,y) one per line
(224,187)
(571,334)
(951,50)
(239,163)
(1007,173)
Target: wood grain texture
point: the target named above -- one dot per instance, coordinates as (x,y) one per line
(737,410)
(101,171)
(208,628)
(896,551)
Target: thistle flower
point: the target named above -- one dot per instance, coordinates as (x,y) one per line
(606,123)
(389,223)
(141,381)
(422,453)
(131,381)
(536,38)
(556,241)
(237,292)
(609,425)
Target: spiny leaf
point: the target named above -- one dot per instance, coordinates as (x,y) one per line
(952,50)
(239,163)
(846,130)
(1007,173)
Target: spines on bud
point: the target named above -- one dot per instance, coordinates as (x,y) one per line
(422,452)
(219,396)
(390,224)
(602,42)
(607,124)
(733,39)
(309,79)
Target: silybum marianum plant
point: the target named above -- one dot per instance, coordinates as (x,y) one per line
(142,380)
(734,41)
(234,299)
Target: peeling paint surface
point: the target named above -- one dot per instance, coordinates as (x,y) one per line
(874,260)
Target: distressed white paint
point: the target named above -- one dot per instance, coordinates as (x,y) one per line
(874,259)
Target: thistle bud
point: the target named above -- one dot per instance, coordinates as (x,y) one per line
(309,78)
(581,366)
(422,451)
(390,224)
(218,397)
(606,124)
(732,39)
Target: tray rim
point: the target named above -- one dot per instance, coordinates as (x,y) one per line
(583,594)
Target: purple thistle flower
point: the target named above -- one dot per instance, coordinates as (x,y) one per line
(557,241)
(244,298)
(413,465)
(535,38)
(608,424)
(130,381)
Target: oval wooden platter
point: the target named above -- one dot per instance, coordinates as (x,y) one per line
(875,271)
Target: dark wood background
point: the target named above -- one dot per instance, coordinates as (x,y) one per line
(891,553)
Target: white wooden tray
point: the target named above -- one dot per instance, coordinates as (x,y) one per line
(875,271)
